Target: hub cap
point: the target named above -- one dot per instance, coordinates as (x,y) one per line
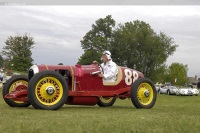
(146,93)
(50,90)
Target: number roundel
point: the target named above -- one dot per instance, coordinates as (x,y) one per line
(130,76)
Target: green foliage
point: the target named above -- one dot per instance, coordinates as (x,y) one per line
(159,74)
(136,45)
(177,71)
(1,61)
(17,52)
(97,40)
(89,56)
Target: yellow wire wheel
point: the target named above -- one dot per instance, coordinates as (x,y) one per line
(143,93)
(15,83)
(18,84)
(106,101)
(48,90)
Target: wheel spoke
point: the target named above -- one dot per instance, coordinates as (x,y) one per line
(49,91)
(145,93)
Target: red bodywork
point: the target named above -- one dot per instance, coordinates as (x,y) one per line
(85,88)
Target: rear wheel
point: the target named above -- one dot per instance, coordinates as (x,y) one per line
(106,101)
(13,84)
(47,90)
(143,93)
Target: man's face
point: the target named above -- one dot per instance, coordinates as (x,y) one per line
(104,58)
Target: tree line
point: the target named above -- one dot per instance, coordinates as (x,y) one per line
(133,44)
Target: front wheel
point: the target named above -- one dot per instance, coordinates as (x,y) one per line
(143,93)
(13,84)
(106,101)
(47,90)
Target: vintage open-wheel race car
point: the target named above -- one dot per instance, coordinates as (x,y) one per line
(49,87)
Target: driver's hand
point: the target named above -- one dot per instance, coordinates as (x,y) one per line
(95,62)
(101,75)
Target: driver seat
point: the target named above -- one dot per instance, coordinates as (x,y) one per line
(118,79)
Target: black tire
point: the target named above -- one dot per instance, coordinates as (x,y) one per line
(143,93)
(159,91)
(53,98)
(106,101)
(8,88)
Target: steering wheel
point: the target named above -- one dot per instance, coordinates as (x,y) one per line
(95,62)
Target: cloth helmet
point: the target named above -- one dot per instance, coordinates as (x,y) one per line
(108,54)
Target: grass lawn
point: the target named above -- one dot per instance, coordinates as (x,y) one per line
(171,114)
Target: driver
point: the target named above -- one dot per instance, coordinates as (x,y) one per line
(110,68)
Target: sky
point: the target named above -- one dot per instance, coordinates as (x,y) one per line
(57,30)
(102,2)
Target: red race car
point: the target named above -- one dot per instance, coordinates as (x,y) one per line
(50,87)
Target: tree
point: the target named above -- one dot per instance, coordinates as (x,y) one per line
(89,56)
(133,44)
(1,61)
(136,45)
(17,52)
(97,39)
(177,74)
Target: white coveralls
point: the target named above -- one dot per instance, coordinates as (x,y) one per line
(110,71)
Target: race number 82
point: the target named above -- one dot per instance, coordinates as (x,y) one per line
(130,76)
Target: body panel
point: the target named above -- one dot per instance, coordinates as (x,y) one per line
(82,79)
